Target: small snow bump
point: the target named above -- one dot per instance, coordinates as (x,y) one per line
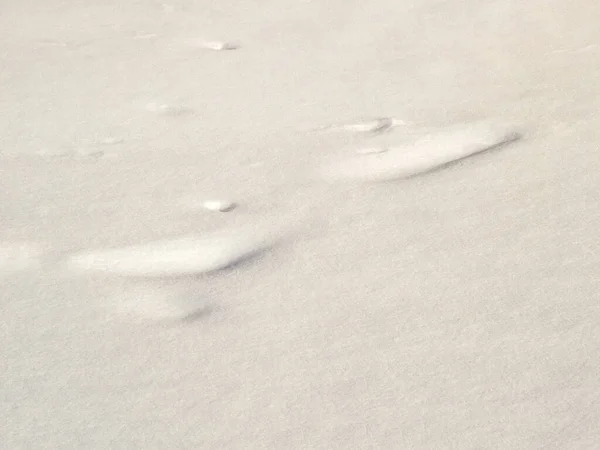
(219,205)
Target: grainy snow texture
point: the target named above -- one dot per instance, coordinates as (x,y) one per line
(155,303)
(457,309)
(18,256)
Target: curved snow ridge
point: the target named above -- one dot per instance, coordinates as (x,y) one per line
(424,154)
(194,254)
